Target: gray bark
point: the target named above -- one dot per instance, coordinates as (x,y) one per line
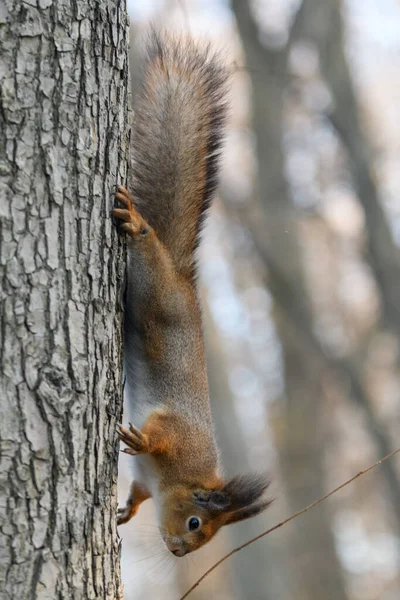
(63,146)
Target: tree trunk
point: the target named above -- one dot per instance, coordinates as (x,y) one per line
(63,146)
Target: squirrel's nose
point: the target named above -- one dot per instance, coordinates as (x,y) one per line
(176,546)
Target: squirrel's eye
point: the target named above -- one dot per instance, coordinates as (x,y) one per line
(193,523)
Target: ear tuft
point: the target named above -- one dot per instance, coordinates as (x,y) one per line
(240,498)
(247,512)
(244,490)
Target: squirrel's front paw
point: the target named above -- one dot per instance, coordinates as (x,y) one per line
(136,440)
(133,222)
(125,514)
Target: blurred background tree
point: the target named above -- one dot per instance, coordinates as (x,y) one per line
(300,280)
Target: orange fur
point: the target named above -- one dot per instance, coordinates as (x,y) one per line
(138,494)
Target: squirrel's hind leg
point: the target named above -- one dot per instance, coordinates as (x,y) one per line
(138,494)
(155,293)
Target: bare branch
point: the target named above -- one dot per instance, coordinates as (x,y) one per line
(282,523)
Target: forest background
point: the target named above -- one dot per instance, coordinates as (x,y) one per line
(300,272)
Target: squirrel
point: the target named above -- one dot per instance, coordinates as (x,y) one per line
(177,136)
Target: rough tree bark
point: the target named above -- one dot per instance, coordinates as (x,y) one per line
(63,146)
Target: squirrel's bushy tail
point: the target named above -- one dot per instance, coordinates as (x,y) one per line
(179,116)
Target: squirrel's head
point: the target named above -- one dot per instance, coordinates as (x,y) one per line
(191,517)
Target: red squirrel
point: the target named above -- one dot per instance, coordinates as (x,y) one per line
(179,118)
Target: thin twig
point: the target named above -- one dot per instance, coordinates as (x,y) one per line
(286,521)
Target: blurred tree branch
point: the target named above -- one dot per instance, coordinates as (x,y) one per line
(322,24)
(298,319)
(300,451)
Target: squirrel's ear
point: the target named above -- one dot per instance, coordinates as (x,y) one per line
(246,497)
(214,500)
(238,494)
(244,490)
(247,512)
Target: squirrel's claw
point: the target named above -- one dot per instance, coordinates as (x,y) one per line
(124,196)
(132,222)
(129,451)
(135,440)
(124,514)
(122,214)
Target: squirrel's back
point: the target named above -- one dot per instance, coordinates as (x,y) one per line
(179,114)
